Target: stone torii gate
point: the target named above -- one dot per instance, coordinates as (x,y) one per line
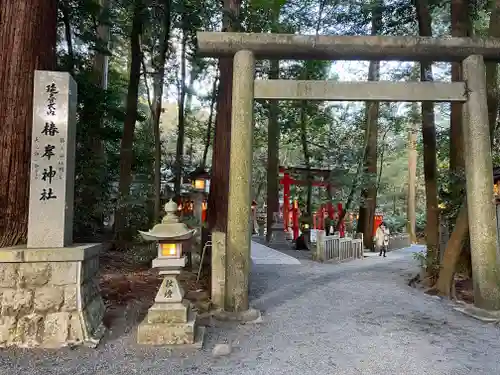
(245,48)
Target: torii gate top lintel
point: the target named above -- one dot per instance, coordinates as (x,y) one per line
(344,47)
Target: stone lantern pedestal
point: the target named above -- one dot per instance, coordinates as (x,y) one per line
(278,234)
(171,320)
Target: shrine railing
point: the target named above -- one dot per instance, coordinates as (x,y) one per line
(336,249)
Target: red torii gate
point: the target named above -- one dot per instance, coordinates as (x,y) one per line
(287,181)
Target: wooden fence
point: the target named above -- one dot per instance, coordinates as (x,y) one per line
(335,249)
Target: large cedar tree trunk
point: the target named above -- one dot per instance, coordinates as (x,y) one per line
(23,49)
(126,148)
(219,184)
(429,140)
(369,190)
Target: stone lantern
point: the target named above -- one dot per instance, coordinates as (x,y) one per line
(170,321)
(200,181)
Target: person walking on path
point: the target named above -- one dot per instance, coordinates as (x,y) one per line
(382,239)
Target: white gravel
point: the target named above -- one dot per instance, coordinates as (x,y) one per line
(354,318)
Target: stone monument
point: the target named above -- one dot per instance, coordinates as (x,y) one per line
(49,297)
(170,321)
(278,234)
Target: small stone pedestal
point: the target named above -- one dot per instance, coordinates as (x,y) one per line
(170,321)
(278,234)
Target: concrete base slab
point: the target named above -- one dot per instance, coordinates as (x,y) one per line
(479,314)
(245,317)
(170,324)
(199,340)
(167,333)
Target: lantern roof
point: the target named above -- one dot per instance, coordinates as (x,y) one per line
(199,173)
(170,228)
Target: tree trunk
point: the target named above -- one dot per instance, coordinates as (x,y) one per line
(273,145)
(369,191)
(219,184)
(66,18)
(305,150)
(126,147)
(460,233)
(179,154)
(412,180)
(210,121)
(23,50)
(158,97)
(429,140)
(93,175)
(460,27)
(381,160)
(353,190)
(101,58)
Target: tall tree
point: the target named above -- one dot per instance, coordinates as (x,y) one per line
(273,144)
(461,26)
(101,58)
(412,175)
(126,147)
(429,140)
(369,191)
(273,137)
(93,117)
(219,184)
(158,83)
(208,134)
(24,50)
(181,94)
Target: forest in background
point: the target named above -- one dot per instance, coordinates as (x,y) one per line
(134,60)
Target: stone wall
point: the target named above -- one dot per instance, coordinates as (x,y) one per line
(49,297)
(399,241)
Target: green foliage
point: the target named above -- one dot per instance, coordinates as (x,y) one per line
(334,131)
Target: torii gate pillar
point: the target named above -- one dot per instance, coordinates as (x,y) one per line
(240,177)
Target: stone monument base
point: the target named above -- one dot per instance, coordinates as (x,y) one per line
(279,237)
(159,328)
(170,321)
(49,297)
(249,316)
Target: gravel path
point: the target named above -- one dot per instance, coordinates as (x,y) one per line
(354,318)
